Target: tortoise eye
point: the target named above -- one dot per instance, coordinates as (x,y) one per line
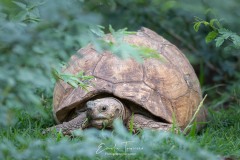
(104,108)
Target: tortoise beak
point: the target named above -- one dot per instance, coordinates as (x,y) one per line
(99,123)
(97,117)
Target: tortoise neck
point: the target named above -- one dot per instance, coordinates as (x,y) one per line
(125,112)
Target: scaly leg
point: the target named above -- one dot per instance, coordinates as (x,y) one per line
(143,122)
(80,122)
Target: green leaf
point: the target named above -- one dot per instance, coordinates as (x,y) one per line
(72,83)
(131,126)
(97,30)
(205,23)
(211,36)
(112,31)
(20,4)
(225,34)
(74,80)
(219,41)
(236,40)
(212,22)
(199,21)
(55,74)
(196,26)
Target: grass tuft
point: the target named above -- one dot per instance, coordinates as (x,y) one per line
(218,139)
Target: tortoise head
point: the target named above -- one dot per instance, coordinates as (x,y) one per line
(102,112)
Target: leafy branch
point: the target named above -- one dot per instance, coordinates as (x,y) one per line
(225,34)
(74,80)
(29,12)
(121,48)
(217,33)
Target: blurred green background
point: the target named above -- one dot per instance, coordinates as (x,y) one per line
(38,35)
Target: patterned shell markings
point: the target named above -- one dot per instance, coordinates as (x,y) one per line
(165,88)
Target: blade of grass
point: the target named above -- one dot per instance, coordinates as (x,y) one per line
(194,116)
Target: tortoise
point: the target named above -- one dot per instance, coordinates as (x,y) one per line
(153,94)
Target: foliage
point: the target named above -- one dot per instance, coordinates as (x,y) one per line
(77,80)
(191,122)
(120,48)
(225,34)
(37,35)
(223,131)
(92,143)
(220,137)
(214,24)
(232,43)
(218,33)
(31,46)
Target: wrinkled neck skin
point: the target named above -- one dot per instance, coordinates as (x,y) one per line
(125,112)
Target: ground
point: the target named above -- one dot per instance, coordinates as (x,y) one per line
(218,139)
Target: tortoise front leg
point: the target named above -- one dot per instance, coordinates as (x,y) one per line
(143,122)
(80,122)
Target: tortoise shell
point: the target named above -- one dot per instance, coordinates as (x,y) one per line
(165,88)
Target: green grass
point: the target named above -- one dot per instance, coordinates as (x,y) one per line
(25,141)
(222,134)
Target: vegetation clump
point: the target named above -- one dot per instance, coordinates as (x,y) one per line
(39,35)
